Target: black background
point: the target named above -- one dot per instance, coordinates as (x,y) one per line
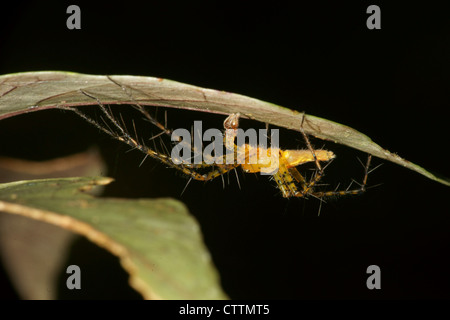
(391,84)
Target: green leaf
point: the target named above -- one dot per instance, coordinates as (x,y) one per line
(158,243)
(26,92)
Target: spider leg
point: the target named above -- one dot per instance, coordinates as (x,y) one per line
(125,137)
(140,108)
(308,144)
(164,130)
(297,176)
(308,187)
(360,190)
(285,181)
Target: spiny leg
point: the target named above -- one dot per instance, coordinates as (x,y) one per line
(308,187)
(297,176)
(154,121)
(107,130)
(360,190)
(232,120)
(285,181)
(125,137)
(308,144)
(149,117)
(136,105)
(285,177)
(141,109)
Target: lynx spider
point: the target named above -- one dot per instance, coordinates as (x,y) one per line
(289,180)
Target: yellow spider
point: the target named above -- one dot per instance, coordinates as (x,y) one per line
(289,180)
